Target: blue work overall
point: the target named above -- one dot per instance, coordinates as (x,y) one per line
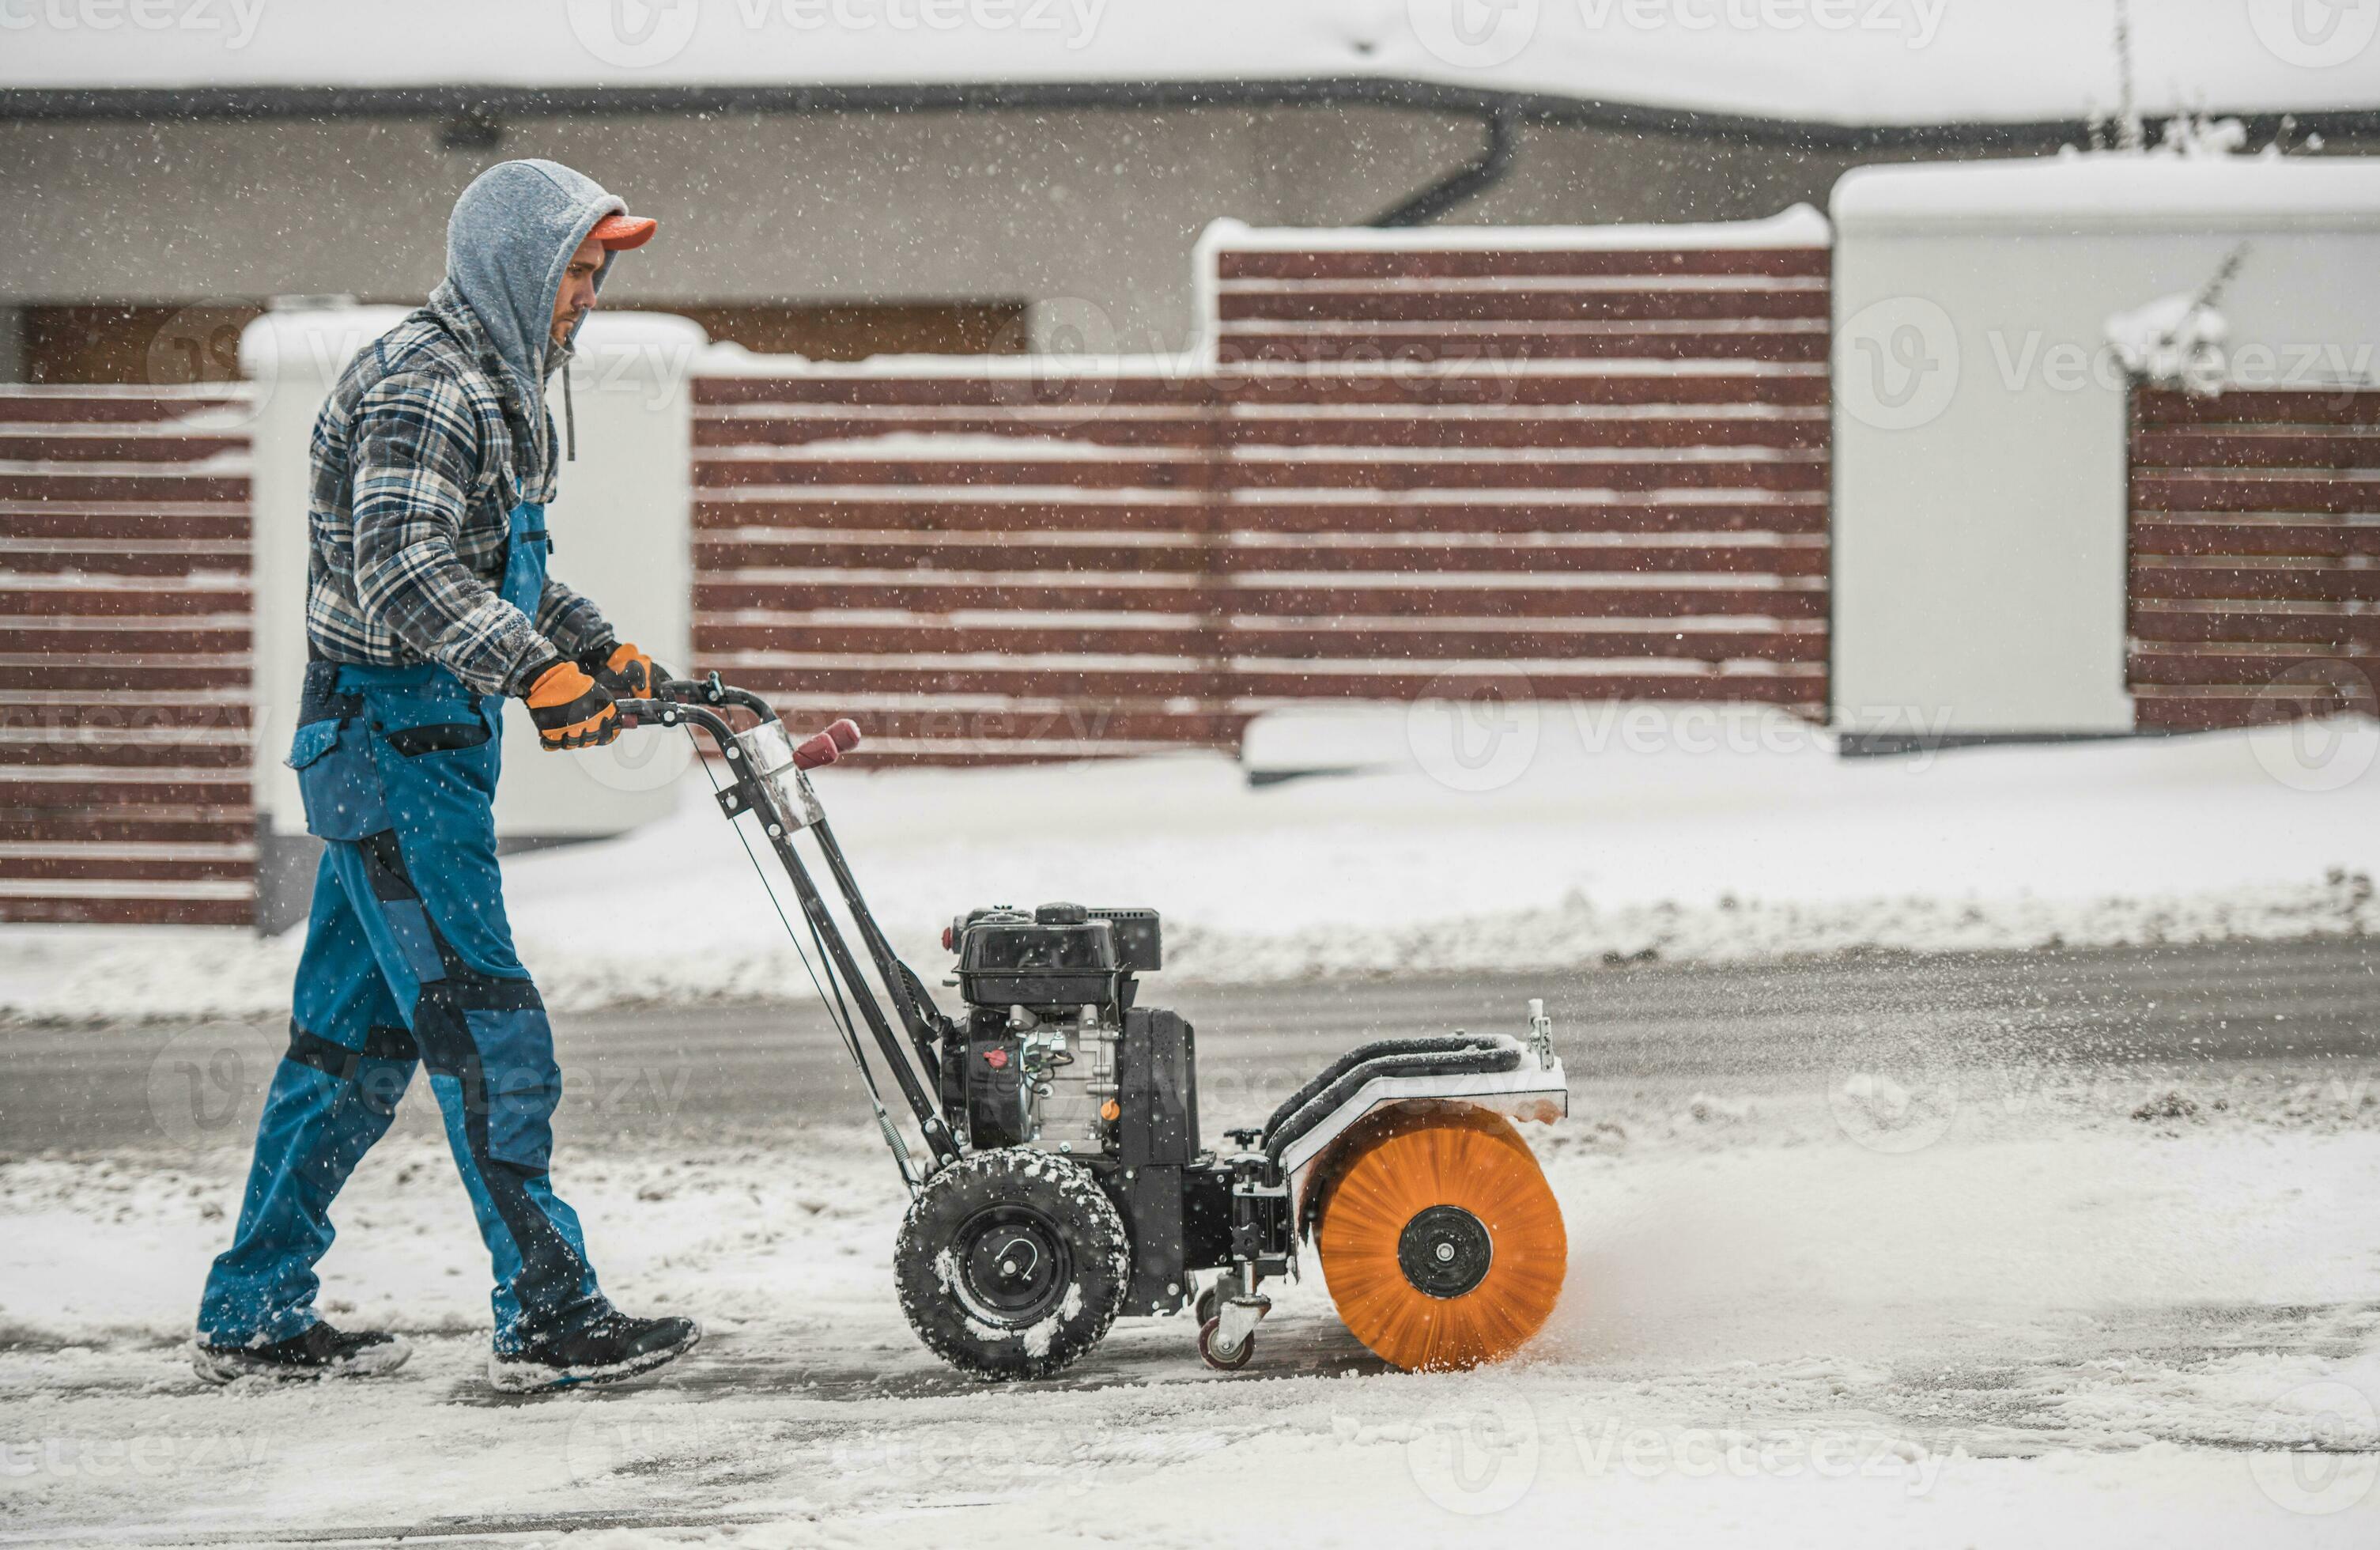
(409,959)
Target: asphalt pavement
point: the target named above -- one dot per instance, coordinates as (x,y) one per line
(636,1075)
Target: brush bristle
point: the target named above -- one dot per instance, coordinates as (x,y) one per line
(1399,1164)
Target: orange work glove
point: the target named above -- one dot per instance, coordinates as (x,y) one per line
(570,710)
(626,671)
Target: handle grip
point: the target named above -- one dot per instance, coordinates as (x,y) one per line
(825,747)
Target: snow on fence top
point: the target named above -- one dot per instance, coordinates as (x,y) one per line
(2113,190)
(1827,62)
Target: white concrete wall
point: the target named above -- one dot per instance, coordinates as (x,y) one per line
(623,535)
(1979,420)
(1099,207)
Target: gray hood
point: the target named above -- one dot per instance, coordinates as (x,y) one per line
(507,243)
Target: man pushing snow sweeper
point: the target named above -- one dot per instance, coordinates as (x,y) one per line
(427,605)
(1062,1183)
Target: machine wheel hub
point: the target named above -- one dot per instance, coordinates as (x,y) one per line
(1445,1251)
(1012,1264)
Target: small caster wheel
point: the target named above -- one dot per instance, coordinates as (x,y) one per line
(1224,1361)
(1210,1303)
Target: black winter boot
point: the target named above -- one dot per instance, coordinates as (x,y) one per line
(613,1347)
(319,1352)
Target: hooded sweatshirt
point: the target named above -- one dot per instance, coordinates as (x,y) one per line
(433,435)
(511,236)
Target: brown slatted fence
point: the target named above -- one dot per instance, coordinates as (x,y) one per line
(981,568)
(2255,555)
(1603,470)
(125,612)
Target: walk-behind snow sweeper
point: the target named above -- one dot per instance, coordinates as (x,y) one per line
(1064,1182)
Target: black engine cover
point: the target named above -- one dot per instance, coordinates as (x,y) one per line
(993,1076)
(1157,1135)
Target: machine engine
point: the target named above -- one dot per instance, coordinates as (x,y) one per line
(1051,1036)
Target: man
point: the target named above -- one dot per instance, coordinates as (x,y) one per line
(428,605)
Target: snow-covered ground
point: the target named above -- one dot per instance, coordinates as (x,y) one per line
(2060,1324)
(1557,837)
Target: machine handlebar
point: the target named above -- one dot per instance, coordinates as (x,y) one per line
(690,699)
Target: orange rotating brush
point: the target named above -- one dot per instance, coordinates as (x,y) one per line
(1442,1242)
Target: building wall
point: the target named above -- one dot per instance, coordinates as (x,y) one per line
(1981,430)
(1099,207)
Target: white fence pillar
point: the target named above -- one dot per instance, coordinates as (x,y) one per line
(1980,528)
(623,535)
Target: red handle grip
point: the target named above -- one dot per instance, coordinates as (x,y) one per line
(825,747)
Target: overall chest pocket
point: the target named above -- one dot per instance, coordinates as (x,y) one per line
(336,782)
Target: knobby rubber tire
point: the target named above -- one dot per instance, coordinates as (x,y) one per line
(1046,1194)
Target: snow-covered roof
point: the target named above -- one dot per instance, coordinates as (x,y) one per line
(1847,63)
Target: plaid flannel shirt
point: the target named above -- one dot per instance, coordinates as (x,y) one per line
(419,459)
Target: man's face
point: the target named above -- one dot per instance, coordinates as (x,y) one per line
(577,297)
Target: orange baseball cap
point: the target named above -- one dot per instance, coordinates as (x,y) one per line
(621,232)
